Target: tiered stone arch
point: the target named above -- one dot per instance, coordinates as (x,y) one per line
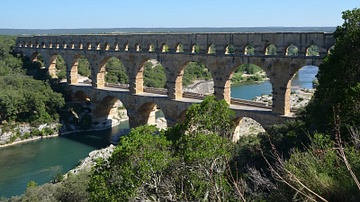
(106,111)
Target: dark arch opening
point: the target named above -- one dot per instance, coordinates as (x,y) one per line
(80,96)
(77,113)
(35,66)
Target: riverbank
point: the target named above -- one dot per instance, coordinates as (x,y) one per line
(28,140)
(299,98)
(22,133)
(26,129)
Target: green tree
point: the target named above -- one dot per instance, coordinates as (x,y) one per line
(292,50)
(151,165)
(203,166)
(210,117)
(9,63)
(154,76)
(84,67)
(321,172)
(115,72)
(140,156)
(24,99)
(338,92)
(195,71)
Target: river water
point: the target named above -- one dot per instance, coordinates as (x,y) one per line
(42,160)
(303,79)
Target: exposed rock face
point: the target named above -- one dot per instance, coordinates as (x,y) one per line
(300,98)
(201,87)
(90,161)
(22,132)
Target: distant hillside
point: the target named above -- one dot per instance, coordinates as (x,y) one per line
(162,30)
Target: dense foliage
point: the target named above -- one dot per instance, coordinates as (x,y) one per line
(195,71)
(338,92)
(9,64)
(152,165)
(154,75)
(22,98)
(116,72)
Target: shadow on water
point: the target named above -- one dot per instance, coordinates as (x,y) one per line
(97,139)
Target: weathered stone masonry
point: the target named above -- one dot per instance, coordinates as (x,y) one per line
(174,51)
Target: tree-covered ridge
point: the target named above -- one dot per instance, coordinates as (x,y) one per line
(22,98)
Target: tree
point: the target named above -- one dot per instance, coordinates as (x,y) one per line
(152,165)
(137,160)
(116,72)
(195,71)
(24,99)
(84,67)
(338,92)
(210,117)
(154,76)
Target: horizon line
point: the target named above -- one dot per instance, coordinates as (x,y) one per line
(171,27)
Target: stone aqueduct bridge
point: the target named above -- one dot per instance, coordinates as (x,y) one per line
(174,52)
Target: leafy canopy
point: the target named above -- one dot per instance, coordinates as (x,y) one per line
(339,79)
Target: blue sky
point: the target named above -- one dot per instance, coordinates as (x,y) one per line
(68,14)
